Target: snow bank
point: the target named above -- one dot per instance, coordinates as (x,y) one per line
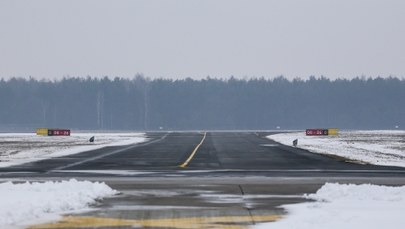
(18,149)
(373,147)
(346,206)
(27,203)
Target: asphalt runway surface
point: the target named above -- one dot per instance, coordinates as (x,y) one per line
(199,180)
(220,153)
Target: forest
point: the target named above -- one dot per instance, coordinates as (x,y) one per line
(143,104)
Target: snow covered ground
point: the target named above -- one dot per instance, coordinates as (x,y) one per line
(346,206)
(373,147)
(25,204)
(22,148)
(32,203)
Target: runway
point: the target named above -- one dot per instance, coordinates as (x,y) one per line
(199,180)
(206,154)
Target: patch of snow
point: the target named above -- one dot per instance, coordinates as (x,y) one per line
(270,145)
(18,148)
(374,147)
(346,206)
(111,172)
(28,203)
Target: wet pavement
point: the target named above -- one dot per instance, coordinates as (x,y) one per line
(227,202)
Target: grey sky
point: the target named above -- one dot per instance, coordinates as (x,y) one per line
(197,38)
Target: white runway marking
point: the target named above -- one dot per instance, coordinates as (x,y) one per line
(110,153)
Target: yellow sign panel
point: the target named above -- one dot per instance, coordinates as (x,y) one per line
(42,131)
(333,131)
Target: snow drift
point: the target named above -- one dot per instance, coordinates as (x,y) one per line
(346,206)
(27,203)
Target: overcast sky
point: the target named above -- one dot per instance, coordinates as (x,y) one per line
(199,38)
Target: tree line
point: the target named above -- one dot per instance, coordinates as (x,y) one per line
(208,104)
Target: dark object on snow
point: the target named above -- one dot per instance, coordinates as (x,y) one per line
(295,142)
(91,139)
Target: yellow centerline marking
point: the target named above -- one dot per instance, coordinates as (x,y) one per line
(193,153)
(218,222)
